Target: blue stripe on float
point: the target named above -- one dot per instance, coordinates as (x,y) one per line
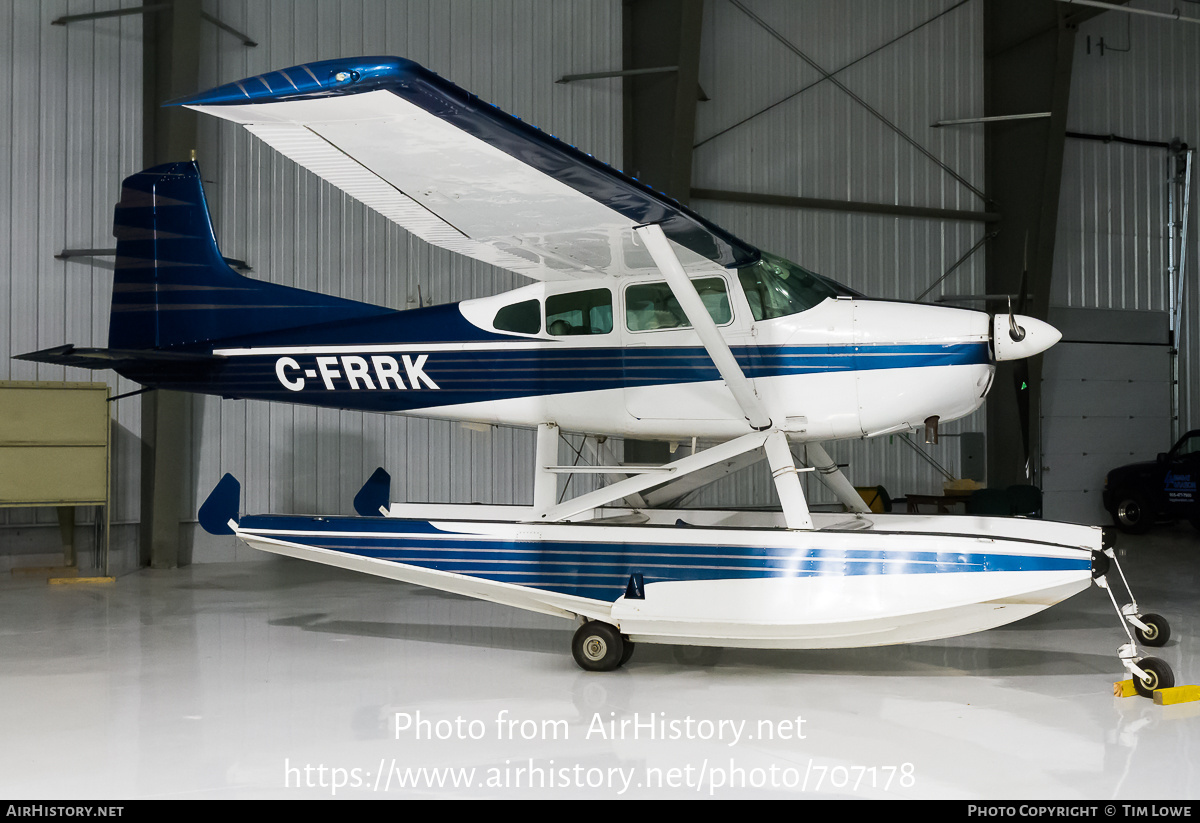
(602,570)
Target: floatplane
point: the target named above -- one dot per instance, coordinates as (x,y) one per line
(643,320)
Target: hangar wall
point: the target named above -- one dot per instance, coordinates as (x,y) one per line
(819,144)
(296,229)
(75,94)
(1112,248)
(915,63)
(1134,77)
(73,97)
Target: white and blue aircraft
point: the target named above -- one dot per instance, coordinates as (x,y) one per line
(644,320)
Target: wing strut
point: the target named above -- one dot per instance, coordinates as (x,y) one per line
(545,483)
(638,483)
(674,491)
(779,455)
(787,482)
(689,300)
(829,474)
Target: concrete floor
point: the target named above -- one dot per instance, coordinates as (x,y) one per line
(284,679)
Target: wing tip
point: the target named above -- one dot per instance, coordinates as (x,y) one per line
(323,78)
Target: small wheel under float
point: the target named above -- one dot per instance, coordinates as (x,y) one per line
(599,647)
(1157,633)
(1158,676)
(1155,673)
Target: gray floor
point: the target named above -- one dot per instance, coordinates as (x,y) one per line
(284,679)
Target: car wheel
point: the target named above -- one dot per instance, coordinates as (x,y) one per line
(1133,513)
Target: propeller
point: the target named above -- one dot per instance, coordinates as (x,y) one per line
(1023,338)
(1021,372)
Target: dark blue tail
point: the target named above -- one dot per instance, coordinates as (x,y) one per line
(172,286)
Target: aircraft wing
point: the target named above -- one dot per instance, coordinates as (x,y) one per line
(460,173)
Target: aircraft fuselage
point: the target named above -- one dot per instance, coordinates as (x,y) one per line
(845,368)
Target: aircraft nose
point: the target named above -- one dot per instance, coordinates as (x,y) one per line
(1031,336)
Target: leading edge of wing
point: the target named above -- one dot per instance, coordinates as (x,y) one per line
(542,152)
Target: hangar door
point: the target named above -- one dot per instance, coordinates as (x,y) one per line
(1106,401)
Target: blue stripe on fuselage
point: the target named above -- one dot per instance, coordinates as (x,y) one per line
(498,373)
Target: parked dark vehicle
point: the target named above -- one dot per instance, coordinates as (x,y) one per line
(1141,494)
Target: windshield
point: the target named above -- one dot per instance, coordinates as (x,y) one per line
(776,287)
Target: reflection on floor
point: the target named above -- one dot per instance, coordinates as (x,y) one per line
(284,679)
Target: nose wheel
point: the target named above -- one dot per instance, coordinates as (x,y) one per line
(1148,673)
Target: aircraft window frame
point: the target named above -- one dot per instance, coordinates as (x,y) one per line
(561,304)
(670,305)
(537,316)
(768,281)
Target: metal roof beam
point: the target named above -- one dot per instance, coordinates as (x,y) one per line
(790,201)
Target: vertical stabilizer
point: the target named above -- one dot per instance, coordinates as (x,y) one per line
(173,288)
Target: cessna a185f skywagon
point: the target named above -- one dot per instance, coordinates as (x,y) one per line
(645,320)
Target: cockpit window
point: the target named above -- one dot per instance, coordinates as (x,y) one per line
(523,318)
(579,312)
(776,288)
(651,306)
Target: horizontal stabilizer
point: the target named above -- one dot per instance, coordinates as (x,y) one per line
(88,358)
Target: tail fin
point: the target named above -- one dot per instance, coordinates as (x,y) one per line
(172,286)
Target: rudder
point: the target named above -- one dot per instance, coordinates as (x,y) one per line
(173,288)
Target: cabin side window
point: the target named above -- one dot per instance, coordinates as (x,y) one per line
(523,318)
(579,313)
(776,287)
(652,306)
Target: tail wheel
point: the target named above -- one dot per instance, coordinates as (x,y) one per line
(1158,676)
(599,647)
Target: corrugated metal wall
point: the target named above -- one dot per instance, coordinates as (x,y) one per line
(72,101)
(1112,227)
(821,143)
(295,229)
(73,96)
(82,86)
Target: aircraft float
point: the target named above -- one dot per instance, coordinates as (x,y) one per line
(643,320)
